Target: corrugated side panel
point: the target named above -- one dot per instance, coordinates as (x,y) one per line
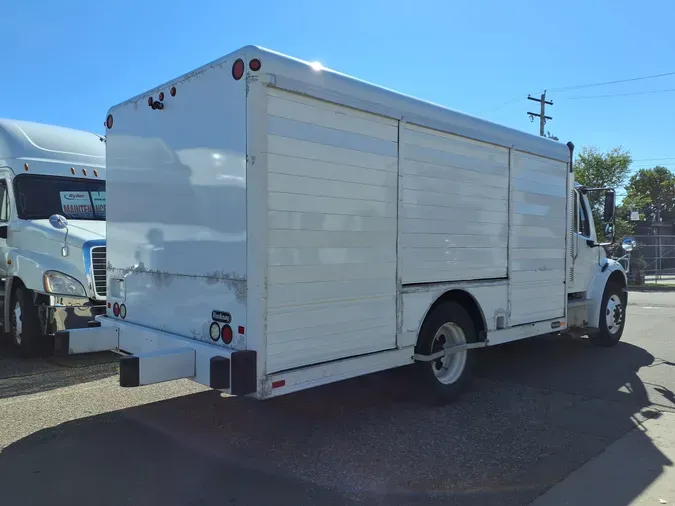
(454,208)
(537,243)
(332,208)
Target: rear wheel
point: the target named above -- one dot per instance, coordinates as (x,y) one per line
(612,316)
(25,330)
(447,325)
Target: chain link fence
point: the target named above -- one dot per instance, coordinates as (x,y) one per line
(652,261)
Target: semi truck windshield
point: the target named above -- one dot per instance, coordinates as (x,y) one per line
(39,197)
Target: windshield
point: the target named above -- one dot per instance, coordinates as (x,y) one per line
(39,197)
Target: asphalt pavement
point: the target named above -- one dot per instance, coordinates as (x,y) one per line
(540,410)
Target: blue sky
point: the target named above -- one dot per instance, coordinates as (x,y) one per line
(66,62)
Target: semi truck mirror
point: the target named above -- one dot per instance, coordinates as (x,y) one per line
(608,213)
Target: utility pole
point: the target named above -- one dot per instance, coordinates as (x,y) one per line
(542,112)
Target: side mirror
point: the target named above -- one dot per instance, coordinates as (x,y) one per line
(608,213)
(628,244)
(58,221)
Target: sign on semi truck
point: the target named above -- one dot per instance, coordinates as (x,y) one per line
(52,231)
(274,226)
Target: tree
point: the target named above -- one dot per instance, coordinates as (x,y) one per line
(652,193)
(596,169)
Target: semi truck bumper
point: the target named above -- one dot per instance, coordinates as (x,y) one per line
(65,314)
(153,356)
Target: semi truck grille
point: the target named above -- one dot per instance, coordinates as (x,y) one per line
(98,267)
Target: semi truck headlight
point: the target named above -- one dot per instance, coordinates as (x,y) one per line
(59,283)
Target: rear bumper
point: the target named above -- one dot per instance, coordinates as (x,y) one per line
(154,356)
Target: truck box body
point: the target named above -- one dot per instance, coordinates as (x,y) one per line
(324,216)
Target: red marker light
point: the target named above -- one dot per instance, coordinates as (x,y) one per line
(172,91)
(241,330)
(226,334)
(109,121)
(161,96)
(116,309)
(278,383)
(238,69)
(254,65)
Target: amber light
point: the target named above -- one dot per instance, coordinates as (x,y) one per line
(95,173)
(254,65)
(72,170)
(25,166)
(84,171)
(238,69)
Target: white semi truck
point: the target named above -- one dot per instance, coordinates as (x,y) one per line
(273,226)
(52,231)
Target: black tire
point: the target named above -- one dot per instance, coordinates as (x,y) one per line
(456,382)
(610,335)
(26,334)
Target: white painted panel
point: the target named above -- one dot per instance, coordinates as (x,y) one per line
(454,211)
(416,301)
(315,151)
(537,242)
(332,208)
(291,220)
(281,164)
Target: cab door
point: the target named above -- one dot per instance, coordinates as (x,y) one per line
(584,257)
(4,222)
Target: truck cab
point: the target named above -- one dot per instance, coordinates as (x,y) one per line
(52,231)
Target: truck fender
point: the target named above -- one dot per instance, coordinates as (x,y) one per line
(610,271)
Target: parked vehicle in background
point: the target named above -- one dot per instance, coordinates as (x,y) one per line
(274,226)
(52,231)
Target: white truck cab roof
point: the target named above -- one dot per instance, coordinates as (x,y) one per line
(50,150)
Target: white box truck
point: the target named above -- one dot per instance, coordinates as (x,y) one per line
(52,231)
(274,226)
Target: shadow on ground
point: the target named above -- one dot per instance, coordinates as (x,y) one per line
(30,376)
(539,410)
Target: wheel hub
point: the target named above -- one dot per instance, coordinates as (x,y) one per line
(18,323)
(614,314)
(449,367)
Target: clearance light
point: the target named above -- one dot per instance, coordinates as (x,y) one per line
(72,170)
(150,101)
(109,121)
(254,65)
(84,171)
(161,96)
(214,331)
(238,69)
(25,167)
(227,334)
(116,309)
(95,173)
(172,91)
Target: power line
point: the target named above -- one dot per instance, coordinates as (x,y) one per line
(605,83)
(654,159)
(581,86)
(623,94)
